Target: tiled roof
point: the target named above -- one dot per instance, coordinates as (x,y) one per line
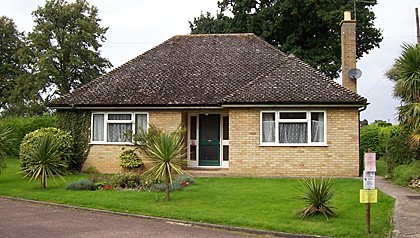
(210,70)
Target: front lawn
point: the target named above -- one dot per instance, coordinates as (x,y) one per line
(259,203)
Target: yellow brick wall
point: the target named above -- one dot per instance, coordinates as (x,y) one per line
(106,157)
(339,158)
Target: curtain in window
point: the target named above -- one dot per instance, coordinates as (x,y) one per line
(317,131)
(119,132)
(141,122)
(268,127)
(98,127)
(293,133)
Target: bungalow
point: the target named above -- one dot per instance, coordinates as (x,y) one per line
(248,108)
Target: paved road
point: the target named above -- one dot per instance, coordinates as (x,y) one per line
(407,209)
(25,219)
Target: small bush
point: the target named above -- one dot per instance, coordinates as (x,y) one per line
(102,181)
(178,183)
(82,184)
(317,197)
(91,170)
(398,152)
(130,160)
(127,181)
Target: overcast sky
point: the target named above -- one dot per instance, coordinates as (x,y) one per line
(138,25)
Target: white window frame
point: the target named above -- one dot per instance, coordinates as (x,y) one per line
(106,122)
(307,120)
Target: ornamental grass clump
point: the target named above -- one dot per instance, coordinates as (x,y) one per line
(43,160)
(7,141)
(317,197)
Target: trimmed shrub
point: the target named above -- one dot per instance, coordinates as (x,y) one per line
(24,125)
(82,184)
(63,139)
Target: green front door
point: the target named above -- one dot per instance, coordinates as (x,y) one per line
(209,140)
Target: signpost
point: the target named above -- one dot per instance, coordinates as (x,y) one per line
(369,194)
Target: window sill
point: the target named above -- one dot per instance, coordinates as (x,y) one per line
(293,145)
(111,143)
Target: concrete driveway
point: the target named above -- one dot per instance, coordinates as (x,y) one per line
(25,219)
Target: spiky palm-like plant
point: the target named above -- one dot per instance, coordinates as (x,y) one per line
(166,149)
(317,197)
(406,74)
(45,161)
(7,141)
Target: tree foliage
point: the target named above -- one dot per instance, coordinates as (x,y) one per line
(19,94)
(66,41)
(406,74)
(308,29)
(61,54)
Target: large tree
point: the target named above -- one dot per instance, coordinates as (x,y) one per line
(309,29)
(406,74)
(66,41)
(19,90)
(11,40)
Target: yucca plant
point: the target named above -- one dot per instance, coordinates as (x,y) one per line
(7,144)
(167,150)
(44,160)
(317,197)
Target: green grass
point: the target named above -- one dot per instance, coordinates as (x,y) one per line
(259,203)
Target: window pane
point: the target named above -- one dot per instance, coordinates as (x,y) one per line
(292,115)
(193,129)
(225,128)
(293,133)
(119,132)
(98,127)
(141,122)
(119,116)
(225,153)
(317,127)
(268,127)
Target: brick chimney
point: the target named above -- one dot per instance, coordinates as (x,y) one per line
(348,50)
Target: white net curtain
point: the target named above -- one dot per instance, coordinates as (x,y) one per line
(293,132)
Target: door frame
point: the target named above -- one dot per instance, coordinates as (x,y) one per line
(195,163)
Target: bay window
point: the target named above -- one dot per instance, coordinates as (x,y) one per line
(293,128)
(116,127)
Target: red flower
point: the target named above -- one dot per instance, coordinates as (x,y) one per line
(185,183)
